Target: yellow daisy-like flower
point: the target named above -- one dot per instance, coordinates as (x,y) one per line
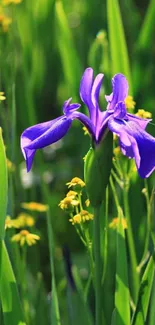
(2,97)
(8,2)
(25,220)
(83,216)
(11,167)
(130,103)
(77,183)
(34,206)
(11,223)
(25,237)
(72,194)
(143,114)
(113,224)
(68,203)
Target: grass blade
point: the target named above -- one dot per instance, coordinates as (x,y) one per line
(122,297)
(11,306)
(118,47)
(3,186)
(148,28)
(140,314)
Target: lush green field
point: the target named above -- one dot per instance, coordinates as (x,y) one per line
(53,268)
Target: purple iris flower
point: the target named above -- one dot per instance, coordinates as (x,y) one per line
(134,141)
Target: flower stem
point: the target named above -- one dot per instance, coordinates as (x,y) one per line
(135,276)
(97,270)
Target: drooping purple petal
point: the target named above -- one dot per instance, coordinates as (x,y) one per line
(120,91)
(142,122)
(135,143)
(42,135)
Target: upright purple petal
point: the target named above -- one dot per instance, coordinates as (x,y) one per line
(120,91)
(69,108)
(86,87)
(135,143)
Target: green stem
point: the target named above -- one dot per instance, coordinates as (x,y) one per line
(135,276)
(97,270)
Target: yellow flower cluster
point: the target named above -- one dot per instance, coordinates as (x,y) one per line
(4,24)
(113,224)
(2,97)
(117,152)
(34,206)
(143,114)
(86,132)
(130,103)
(83,216)
(25,237)
(68,203)
(77,183)
(23,220)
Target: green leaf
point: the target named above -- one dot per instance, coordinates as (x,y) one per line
(9,297)
(122,296)
(140,314)
(3,186)
(118,47)
(148,28)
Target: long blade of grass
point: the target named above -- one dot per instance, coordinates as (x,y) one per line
(3,186)
(148,28)
(9,297)
(140,314)
(122,297)
(118,46)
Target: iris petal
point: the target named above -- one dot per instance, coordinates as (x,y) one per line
(42,135)
(120,91)
(86,88)
(135,143)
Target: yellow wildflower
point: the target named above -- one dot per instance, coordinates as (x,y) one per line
(10,165)
(113,224)
(5,22)
(68,203)
(25,237)
(25,220)
(2,97)
(117,152)
(11,223)
(85,130)
(130,103)
(34,206)
(72,194)
(8,2)
(77,183)
(87,203)
(115,137)
(83,216)
(143,114)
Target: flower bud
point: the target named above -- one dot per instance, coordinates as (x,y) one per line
(98,164)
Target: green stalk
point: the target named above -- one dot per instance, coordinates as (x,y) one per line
(135,276)
(97,270)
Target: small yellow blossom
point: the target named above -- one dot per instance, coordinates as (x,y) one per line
(144,191)
(11,223)
(77,183)
(85,130)
(115,137)
(113,224)
(72,194)
(5,22)
(83,216)
(2,97)
(68,203)
(25,220)
(117,152)
(8,2)
(130,103)
(11,167)
(34,206)
(25,237)
(87,203)
(143,114)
